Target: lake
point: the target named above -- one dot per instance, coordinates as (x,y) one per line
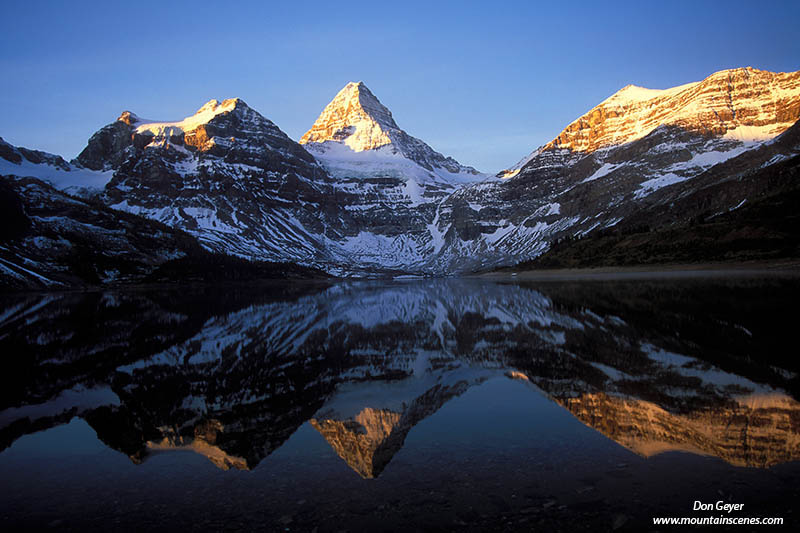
(418,405)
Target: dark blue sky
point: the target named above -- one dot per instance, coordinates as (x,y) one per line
(485,82)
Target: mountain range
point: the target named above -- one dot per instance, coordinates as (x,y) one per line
(358,196)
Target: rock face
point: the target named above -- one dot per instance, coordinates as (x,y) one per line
(18,155)
(740,104)
(53,240)
(106,149)
(367,442)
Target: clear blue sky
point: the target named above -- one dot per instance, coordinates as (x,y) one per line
(485,82)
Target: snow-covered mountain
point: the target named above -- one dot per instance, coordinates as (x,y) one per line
(358,195)
(393,182)
(635,151)
(225,174)
(72,177)
(744,105)
(356,136)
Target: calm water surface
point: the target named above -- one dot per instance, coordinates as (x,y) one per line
(461,405)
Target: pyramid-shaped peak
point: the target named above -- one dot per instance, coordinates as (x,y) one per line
(370,104)
(359,90)
(356,117)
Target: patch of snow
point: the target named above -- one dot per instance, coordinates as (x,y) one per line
(652,185)
(605,169)
(210,109)
(514,170)
(71,181)
(14,269)
(553,208)
(709,374)
(612,373)
(437,235)
(391,251)
(688,169)
(750,134)
(384,161)
(710,158)
(633,94)
(737,206)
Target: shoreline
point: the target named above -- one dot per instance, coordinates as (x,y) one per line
(778,268)
(788,268)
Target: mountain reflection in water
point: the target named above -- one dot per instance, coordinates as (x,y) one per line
(397,405)
(655,366)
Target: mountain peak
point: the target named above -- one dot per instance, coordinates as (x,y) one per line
(359,96)
(356,117)
(216,107)
(742,103)
(635,94)
(355,126)
(208,111)
(128,118)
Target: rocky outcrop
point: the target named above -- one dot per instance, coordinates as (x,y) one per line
(18,155)
(107,148)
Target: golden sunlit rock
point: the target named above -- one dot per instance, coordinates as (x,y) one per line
(759,431)
(355,117)
(743,104)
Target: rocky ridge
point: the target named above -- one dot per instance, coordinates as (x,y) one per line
(639,149)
